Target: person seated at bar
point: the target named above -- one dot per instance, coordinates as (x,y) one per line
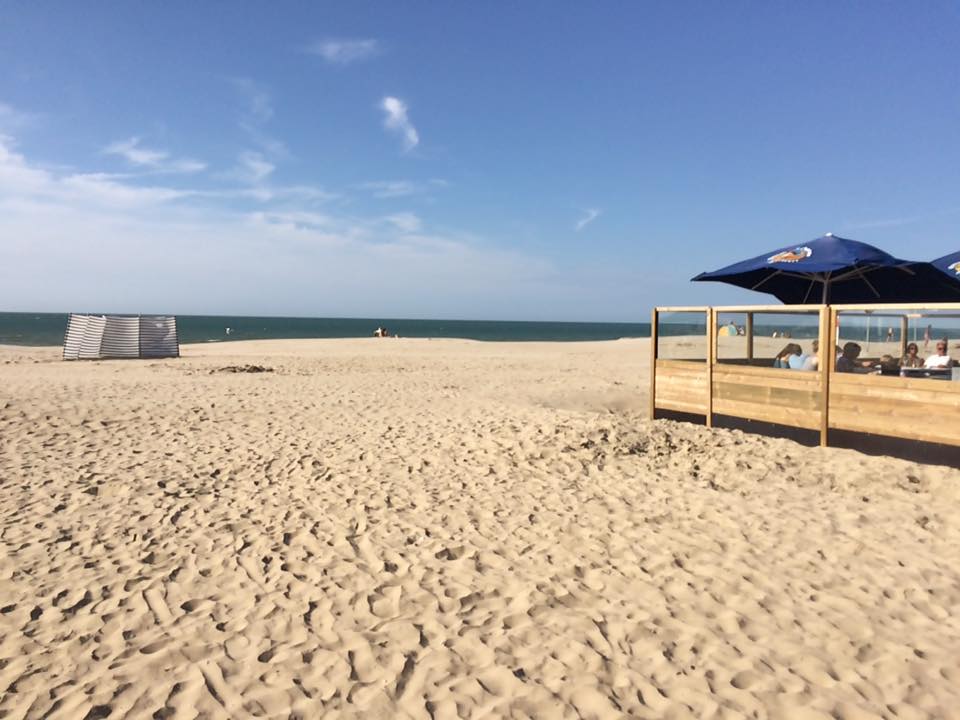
(848,361)
(798,360)
(782,359)
(912,359)
(889,365)
(941,358)
(812,361)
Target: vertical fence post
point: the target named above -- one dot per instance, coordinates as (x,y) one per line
(749,333)
(903,335)
(654,319)
(825,367)
(711,359)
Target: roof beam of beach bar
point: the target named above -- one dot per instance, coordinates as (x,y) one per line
(814,372)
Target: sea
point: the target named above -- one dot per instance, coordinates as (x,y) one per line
(49,328)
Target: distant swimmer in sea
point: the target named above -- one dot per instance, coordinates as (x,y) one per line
(227,331)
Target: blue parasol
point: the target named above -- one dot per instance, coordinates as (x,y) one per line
(950,266)
(832,269)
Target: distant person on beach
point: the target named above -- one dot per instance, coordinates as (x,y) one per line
(926,336)
(889,334)
(941,358)
(381,332)
(782,360)
(912,359)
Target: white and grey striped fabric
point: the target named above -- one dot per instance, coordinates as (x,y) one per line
(90,337)
(76,326)
(158,336)
(121,337)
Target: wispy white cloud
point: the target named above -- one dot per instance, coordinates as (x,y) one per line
(390,188)
(252,168)
(28,183)
(589,215)
(344,52)
(258,106)
(308,194)
(14,119)
(397,120)
(104,228)
(256,112)
(406,222)
(147,158)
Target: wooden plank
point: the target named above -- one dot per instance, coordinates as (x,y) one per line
(904,329)
(711,361)
(785,383)
(790,417)
(824,355)
(867,395)
(899,306)
(882,425)
(653,364)
(691,382)
(697,386)
(777,397)
(765,373)
(779,309)
(698,380)
(680,391)
(673,378)
(680,366)
(682,406)
(667,377)
(699,400)
(675,309)
(862,380)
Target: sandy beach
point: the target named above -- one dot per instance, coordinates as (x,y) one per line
(440,529)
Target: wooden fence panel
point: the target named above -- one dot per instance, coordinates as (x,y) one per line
(911,408)
(681,386)
(785,397)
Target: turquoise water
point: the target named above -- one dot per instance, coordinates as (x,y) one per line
(48,329)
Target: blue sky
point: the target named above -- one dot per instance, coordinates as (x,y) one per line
(536,160)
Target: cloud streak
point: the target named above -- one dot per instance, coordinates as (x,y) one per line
(405,222)
(147,158)
(384,189)
(344,52)
(252,168)
(11,118)
(398,121)
(589,216)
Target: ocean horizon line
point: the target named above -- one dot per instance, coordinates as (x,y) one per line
(47,329)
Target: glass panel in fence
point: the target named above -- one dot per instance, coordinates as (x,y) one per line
(682,336)
(768,339)
(912,343)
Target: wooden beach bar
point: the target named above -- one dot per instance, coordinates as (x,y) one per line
(715,365)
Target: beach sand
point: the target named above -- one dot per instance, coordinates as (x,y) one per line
(440,529)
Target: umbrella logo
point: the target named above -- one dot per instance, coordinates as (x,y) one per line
(791,256)
(955,267)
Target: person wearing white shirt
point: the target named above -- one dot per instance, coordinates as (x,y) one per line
(940,359)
